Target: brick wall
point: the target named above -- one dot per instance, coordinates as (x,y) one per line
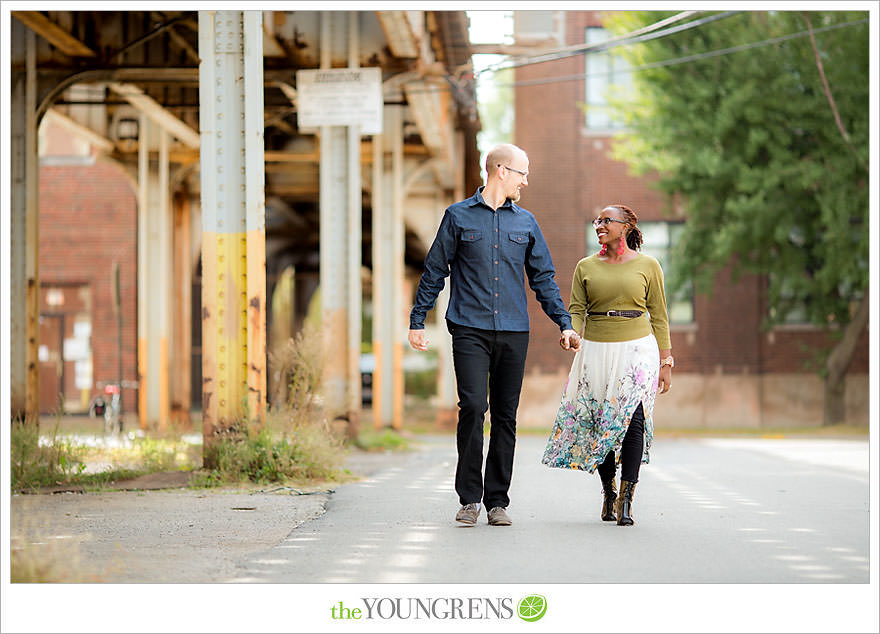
(88,221)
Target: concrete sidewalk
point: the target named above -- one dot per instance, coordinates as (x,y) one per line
(155,530)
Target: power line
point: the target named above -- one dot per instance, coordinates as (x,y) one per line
(630,38)
(575,48)
(683,60)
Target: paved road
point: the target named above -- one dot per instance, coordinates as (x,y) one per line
(706,510)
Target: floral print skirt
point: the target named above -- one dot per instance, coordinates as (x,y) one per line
(606,383)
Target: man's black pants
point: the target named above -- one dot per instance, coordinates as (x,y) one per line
(489,367)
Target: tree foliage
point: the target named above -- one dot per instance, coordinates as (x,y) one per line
(748,142)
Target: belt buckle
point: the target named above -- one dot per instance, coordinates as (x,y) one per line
(612,313)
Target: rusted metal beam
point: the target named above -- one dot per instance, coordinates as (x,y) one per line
(96,140)
(54,34)
(162,117)
(312,156)
(399,32)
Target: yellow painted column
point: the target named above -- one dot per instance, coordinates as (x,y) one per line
(233,223)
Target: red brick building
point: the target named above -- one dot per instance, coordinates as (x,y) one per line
(729,372)
(88,226)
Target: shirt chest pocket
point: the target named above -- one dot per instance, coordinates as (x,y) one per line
(515,248)
(470,242)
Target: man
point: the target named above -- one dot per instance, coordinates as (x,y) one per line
(484,244)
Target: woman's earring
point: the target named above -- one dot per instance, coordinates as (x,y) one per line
(621,247)
(604,250)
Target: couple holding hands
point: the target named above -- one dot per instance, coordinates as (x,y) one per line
(616,325)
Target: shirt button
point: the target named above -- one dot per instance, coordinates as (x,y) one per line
(496,246)
(496,312)
(496,294)
(496,279)
(496,262)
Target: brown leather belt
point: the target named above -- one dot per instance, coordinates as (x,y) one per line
(632,314)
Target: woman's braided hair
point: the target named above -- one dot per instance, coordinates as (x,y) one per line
(634,237)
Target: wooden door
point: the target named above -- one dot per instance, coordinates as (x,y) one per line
(51,363)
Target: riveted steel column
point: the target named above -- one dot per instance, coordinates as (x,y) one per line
(162,291)
(233,222)
(380,284)
(340,250)
(32,268)
(355,211)
(255,212)
(143,264)
(447,395)
(24,308)
(388,251)
(153,294)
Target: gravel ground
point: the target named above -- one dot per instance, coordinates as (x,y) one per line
(164,535)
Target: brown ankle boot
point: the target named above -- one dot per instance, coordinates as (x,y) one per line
(609,488)
(623,508)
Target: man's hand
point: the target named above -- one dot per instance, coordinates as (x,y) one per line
(417,340)
(570,340)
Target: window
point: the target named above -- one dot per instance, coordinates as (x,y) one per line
(795,310)
(606,73)
(659,239)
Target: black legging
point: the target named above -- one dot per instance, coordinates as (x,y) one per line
(632,449)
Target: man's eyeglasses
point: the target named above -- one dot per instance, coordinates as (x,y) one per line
(526,174)
(603,222)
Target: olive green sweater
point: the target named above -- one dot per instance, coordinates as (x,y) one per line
(637,284)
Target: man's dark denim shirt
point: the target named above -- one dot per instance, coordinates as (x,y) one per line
(484,252)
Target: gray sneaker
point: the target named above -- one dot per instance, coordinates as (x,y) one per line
(498,517)
(468,513)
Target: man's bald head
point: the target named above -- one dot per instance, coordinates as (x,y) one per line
(503,154)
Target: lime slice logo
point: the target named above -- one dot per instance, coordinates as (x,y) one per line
(532,608)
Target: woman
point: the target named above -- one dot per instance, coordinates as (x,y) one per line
(606,413)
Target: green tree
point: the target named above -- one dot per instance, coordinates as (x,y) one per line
(769,160)
(495,104)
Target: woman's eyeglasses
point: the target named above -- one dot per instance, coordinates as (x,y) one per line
(603,222)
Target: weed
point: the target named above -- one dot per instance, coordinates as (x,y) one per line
(265,455)
(295,441)
(35,464)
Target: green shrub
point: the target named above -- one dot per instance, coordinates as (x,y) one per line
(265,456)
(296,441)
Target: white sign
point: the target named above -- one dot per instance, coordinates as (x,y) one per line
(340,96)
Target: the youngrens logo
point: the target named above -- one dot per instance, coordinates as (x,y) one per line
(530,608)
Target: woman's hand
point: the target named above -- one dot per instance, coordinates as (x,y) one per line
(570,340)
(665,379)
